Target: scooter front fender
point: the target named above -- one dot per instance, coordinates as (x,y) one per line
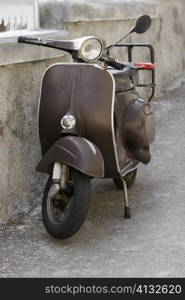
(76,152)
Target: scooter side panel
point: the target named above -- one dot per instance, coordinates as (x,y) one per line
(122,101)
(87,92)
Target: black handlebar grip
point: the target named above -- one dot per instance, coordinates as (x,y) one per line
(116,65)
(28,40)
(20,39)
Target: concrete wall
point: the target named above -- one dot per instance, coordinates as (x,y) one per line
(110,19)
(20,184)
(170,42)
(21,73)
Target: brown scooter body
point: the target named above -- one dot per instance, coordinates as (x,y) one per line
(92,123)
(88,92)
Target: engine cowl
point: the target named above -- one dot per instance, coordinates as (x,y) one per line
(140,128)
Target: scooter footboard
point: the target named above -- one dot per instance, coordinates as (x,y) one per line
(76,152)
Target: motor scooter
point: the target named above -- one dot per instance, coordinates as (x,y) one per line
(92,124)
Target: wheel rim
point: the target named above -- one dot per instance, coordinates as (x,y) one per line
(58,208)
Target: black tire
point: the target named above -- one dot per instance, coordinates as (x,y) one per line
(129,178)
(73,213)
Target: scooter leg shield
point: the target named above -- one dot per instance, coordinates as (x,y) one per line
(76,152)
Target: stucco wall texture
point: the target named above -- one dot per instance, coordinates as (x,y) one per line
(20,185)
(110,19)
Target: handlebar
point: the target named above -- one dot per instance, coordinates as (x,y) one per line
(29,40)
(106,59)
(116,65)
(55,44)
(111,62)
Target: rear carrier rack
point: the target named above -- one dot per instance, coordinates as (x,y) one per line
(141,65)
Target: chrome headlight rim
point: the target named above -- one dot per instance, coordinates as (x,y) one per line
(82,45)
(71,122)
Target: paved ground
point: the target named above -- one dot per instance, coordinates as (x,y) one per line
(152,243)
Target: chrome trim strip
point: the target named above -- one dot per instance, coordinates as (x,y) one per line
(112,123)
(130,167)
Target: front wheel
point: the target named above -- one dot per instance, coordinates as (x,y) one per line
(65,213)
(129,179)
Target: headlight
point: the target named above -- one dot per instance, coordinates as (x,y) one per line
(91,49)
(68,122)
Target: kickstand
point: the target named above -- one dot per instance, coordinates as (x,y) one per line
(126,202)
